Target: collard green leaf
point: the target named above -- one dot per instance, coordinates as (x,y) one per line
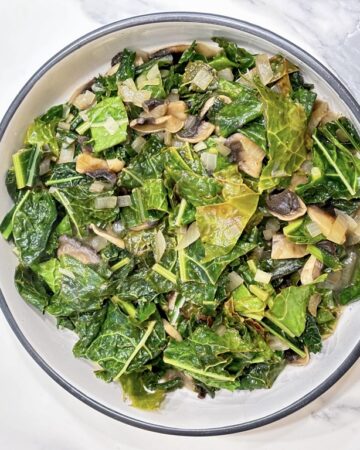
(148,164)
(49,272)
(196,189)
(311,337)
(126,68)
(285,127)
(79,204)
(88,326)
(236,114)
(31,288)
(241,57)
(288,309)
(32,223)
(261,376)
(247,304)
(109,122)
(123,346)
(140,396)
(82,289)
(42,133)
(222,224)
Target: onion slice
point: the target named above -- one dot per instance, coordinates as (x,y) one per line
(191,235)
(114,240)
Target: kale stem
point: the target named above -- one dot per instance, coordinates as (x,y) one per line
(120,264)
(164,273)
(137,349)
(278,335)
(181,212)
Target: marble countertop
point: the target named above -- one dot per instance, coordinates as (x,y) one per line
(35,413)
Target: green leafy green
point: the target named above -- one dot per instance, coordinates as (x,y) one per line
(108,123)
(285,128)
(32,223)
(288,309)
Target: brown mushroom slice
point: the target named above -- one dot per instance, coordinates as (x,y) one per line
(199,132)
(149,124)
(177,109)
(115,165)
(286,205)
(154,108)
(210,103)
(73,248)
(86,163)
(173,125)
(179,48)
(334,229)
(319,111)
(311,270)
(282,248)
(246,153)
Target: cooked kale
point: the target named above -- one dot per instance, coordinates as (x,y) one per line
(181,214)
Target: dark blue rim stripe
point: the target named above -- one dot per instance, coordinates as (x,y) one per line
(210,19)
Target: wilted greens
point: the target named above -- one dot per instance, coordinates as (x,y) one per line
(192,216)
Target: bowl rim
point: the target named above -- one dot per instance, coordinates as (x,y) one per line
(211,19)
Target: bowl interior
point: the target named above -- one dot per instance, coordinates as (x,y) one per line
(182,409)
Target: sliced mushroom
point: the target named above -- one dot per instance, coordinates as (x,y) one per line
(314,302)
(283,248)
(246,153)
(86,163)
(311,270)
(197,133)
(321,218)
(154,107)
(210,103)
(73,248)
(319,111)
(334,229)
(173,49)
(286,205)
(150,121)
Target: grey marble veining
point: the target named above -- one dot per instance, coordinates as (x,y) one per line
(329,29)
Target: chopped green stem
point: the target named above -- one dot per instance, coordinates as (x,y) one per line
(21,161)
(128,307)
(62,180)
(181,212)
(137,348)
(164,273)
(33,166)
(81,129)
(278,335)
(120,264)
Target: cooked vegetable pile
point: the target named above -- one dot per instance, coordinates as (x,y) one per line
(193,215)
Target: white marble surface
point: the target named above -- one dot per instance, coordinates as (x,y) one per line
(35,413)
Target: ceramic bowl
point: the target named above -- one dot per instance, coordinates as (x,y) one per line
(183,413)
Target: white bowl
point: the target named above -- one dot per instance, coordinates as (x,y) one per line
(182,413)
